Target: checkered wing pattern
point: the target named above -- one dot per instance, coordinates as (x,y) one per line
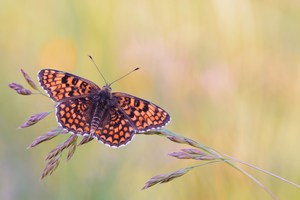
(84,109)
(116,129)
(75,115)
(143,114)
(61,85)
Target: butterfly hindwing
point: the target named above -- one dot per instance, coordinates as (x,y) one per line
(75,115)
(116,128)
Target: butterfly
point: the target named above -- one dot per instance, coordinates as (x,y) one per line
(83,108)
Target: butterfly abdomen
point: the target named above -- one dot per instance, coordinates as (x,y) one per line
(101,107)
(97,114)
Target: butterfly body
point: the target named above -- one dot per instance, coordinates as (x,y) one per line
(101,102)
(85,109)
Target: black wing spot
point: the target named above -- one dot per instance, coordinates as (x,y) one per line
(75,81)
(131,115)
(136,103)
(65,79)
(145,108)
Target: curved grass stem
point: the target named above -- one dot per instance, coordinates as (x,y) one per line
(221,157)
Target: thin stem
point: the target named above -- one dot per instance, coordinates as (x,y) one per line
(210,162)
(40,92)
(218,156)
(252,177)
(262,170)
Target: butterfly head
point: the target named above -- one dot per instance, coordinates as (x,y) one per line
(107,88)
(104,95)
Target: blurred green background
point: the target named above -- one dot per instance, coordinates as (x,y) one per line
(228,72)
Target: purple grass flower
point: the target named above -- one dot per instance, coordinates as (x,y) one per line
(191,154)
(85,140)
(55,155)
(29,80)
(193,151)
(45,137)
(163,178)
(19,89)
(51,166)
(72,149)
(59,148)
(34,119)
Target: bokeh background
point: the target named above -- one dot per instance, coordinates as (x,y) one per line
(228,72)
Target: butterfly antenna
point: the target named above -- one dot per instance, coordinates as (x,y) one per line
(97,68)
(124,76)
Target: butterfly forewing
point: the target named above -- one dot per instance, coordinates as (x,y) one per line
(144,114)
(61,85)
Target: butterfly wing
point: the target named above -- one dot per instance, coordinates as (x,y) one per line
(75,115)
(62,85)
(115,129)
(73,94)
(143,114)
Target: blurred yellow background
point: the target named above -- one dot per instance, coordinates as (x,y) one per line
(228,72)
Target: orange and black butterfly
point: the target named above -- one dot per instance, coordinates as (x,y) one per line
(83,108)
